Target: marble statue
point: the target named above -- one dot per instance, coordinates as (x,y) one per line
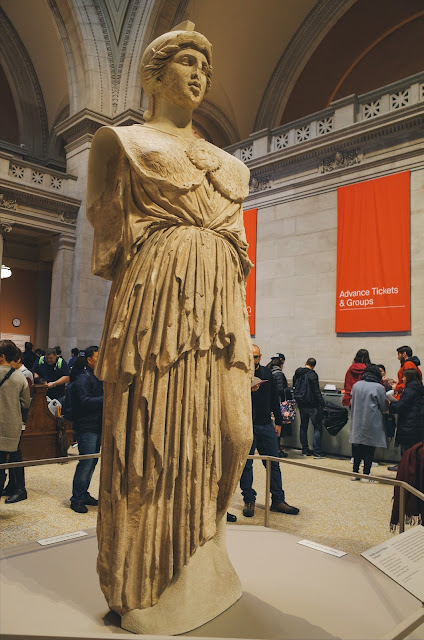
(175,356)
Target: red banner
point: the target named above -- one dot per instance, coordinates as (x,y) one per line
(373,256)
(250,218)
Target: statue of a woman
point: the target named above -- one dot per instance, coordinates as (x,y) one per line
(175,356)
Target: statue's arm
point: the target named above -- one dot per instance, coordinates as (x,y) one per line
(105,212)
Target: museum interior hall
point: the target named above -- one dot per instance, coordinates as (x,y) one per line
(323,102)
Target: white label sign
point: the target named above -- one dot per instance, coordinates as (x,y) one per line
(323,548)
(62,538)
(402,559)
(18,338)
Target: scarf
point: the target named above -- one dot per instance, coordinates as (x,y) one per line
(410,470)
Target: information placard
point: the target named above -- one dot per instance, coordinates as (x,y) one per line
(373,256)
(402,559)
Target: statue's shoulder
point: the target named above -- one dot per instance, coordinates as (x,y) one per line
(157,156)
(229,175)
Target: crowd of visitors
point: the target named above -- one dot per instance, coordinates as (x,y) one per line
(380,406)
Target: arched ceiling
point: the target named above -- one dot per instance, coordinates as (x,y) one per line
(248,39)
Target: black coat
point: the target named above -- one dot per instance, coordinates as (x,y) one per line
(281,383)
(318,400)
(410,414)
(87,401)
(265,399)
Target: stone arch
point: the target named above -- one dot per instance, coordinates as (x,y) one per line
(26,90)
(321,19)
(83,38)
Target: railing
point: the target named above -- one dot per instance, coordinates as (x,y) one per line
(340,114)
(403,486)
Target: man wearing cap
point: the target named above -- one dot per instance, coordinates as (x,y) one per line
(264,401)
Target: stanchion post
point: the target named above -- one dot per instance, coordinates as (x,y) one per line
(267,491)
(401,509)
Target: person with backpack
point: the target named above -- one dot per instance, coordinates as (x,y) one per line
(87,412)
(54,370)
(311,405)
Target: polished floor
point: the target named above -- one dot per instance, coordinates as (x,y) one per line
(350,516)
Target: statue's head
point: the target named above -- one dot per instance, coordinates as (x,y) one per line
(177,65)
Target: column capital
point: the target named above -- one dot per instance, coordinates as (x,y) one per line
(5,227)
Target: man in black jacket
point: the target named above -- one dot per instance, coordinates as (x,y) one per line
(264,401)
(87,410)
(310,406)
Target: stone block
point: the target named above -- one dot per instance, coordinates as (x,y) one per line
(327,282)
(296,207)
(283,266)
(322,262)
(327,200)
(316,306)
(320,221)
(275,307)
(266,215)
(417,239)
(278,229)
(417,180)
(309,243)
(307,284)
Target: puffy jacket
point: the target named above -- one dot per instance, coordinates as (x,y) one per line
(87,401)
(280,382)
(410,414)
(318,400)
(353,374)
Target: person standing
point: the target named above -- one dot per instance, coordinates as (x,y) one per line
(368,403)
(354,373)
(74,356)
(15,488)
(29,357)
(407,361)
(87,404)
(311,404)
(276,365)
(264,401)
(54,370)
(14,396)
(409,409)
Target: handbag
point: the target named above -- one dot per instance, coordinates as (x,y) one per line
(334,418)
(288,408)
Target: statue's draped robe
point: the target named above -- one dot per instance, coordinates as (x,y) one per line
(175,354)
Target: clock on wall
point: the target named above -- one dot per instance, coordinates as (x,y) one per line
(16,322)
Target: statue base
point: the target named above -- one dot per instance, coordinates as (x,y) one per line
(207,586)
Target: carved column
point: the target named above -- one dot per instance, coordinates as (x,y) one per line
(60,330)
(5,227)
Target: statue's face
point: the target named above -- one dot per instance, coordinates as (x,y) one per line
(183,81)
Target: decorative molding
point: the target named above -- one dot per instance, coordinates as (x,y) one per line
(85,122)
(260,183)
(304,42)
(5,227)
(340,160)
(7,203)
(30,197)
(69,218)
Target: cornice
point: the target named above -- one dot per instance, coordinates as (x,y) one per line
(24,195)
(80,124)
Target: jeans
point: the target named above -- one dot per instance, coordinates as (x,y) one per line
(362,452)
(316,418)
(266,442)
(88,442)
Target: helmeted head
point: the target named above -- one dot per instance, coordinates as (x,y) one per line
(161,51)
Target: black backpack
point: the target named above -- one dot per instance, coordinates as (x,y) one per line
(68,409)
(302,391)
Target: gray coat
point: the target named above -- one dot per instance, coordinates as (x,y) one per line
(14,394)
(366,421)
